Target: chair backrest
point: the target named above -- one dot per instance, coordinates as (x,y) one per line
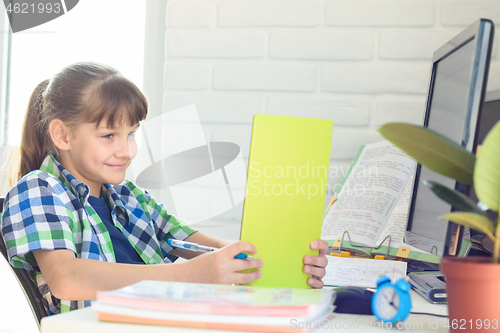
(30,290)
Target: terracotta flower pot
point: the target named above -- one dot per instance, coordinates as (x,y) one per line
(473,290)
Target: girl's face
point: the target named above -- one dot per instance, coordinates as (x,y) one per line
(101,154)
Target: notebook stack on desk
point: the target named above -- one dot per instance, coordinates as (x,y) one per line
(210,306)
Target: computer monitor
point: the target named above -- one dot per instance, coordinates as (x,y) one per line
(454,101)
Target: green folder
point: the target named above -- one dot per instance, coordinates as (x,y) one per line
(285,194)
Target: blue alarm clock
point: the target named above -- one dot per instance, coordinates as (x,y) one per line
(391,302)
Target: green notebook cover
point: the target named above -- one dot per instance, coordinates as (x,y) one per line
(285,194)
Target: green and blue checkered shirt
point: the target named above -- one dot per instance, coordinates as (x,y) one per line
(48,209)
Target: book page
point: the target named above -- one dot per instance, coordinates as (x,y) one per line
(369,194)
(396,224)
(361,272)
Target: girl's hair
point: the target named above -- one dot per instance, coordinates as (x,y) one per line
(83,92)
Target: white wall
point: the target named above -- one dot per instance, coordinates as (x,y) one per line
(4,43)
(359,62)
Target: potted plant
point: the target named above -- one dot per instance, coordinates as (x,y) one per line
(473,283)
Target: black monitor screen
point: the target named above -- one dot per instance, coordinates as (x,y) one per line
(453,112)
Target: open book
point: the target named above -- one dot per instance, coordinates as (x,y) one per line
(373,202)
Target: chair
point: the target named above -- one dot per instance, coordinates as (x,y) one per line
(30,290)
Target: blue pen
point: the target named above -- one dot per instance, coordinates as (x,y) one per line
(202,248)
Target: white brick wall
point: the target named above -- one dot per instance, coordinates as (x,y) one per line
(291,13)
(399,110)
(344,112)
(463,12)
(218,108)
(321,45)
(346,141)
(191,14)
(361,63)
(380,13)
(409,45)
(186,76)
(215,44)
(375,78)
(269,77)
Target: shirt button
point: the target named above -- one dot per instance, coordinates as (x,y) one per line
(151,261)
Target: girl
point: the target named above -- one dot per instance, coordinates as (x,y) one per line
(77,225)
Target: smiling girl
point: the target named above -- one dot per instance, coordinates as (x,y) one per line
(73,220)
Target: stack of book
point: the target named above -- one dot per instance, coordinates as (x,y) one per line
(211,306)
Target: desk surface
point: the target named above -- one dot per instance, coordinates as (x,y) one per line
(85,321)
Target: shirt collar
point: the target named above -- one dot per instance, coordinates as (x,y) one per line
(78,188)
(115,201)
(53,167)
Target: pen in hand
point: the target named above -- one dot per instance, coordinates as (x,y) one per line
(202,248)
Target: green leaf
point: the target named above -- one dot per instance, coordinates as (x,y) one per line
(487,174)
(473,221)
(459,200)
(431,149)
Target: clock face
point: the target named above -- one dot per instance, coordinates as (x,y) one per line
(387,303)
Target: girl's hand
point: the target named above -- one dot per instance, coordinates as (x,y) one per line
(220,266)
(316,265)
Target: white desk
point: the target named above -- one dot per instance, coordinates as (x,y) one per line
(85,321)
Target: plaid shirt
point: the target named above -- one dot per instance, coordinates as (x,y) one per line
(48,209)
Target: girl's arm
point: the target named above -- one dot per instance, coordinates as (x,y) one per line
(316,266)
(71,278)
